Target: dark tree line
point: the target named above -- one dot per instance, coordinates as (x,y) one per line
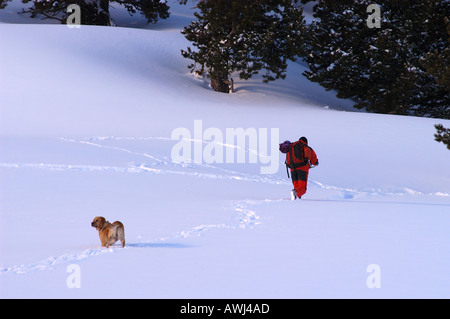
(93,12)
(399,68)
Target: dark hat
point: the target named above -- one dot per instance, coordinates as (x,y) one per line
(304,139)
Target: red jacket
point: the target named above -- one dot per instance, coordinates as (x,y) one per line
(301,156)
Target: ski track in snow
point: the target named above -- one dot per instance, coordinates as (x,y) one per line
(170,167)
(245,216)
(51,262)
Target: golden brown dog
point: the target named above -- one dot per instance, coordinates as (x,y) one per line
(109,233)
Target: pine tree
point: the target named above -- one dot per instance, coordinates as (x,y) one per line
(152,10)
(4,4)
(437,64)
(442,135)
(380,68)
(244,36)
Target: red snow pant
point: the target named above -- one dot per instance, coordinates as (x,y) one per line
(300,179)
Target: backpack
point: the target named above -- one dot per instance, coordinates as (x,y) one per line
(284,147)
(296,155)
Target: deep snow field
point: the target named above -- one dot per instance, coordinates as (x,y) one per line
(87,122)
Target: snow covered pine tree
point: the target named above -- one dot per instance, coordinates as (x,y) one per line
(244,36)
(380,68)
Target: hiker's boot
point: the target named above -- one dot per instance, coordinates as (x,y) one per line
(293,195)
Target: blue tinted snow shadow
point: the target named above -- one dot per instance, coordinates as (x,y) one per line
(158,245)
(387,202)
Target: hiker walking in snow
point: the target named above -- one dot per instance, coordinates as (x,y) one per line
(299,158)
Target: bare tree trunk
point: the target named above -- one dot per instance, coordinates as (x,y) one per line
(104,17)
(219,82)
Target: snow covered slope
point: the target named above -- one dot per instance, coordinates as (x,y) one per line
(86,121)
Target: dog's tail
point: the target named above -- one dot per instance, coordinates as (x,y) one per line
(120,232)
(121,235)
